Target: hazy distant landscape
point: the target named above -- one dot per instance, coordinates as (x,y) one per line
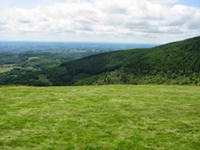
(43,55)
(69,47)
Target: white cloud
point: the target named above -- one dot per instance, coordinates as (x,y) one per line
(113,20)
(165,1)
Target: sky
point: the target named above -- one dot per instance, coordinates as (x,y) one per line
(124,21)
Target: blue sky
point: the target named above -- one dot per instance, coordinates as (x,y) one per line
(193,3)
(29,3)
(33,3)
(129,21)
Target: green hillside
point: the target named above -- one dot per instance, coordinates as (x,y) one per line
(173,63)
(109,117)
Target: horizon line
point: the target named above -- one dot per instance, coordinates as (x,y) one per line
(77,42)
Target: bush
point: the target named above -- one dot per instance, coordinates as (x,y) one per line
(195,82)
(177,82)
(174,76)
(185,82)
(160,82)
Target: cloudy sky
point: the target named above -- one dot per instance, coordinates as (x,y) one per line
(129,21)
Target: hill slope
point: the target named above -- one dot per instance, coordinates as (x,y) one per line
(174,63)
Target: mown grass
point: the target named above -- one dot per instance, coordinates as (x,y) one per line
(100,117)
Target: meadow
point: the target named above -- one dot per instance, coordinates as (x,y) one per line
(7,67)
(114,117)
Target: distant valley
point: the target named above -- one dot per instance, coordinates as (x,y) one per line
(43,55)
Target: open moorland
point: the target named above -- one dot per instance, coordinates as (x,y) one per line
(100,117)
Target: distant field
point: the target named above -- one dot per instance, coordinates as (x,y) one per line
(32,58)
(116,117)
(6,67)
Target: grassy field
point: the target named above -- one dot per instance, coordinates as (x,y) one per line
(2,70)
(32,58)
(114,117)
(7,67)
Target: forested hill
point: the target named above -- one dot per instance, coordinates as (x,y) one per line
(173,63)
(184,55)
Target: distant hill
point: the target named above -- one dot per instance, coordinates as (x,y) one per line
(173,63)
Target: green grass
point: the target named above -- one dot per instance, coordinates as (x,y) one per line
(31,58)
(100,117)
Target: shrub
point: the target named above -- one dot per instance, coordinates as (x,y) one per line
(195,82)
(174,76)
(177,82)
(185,82)
(160,82)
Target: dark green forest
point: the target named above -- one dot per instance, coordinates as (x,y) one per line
(173,63)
